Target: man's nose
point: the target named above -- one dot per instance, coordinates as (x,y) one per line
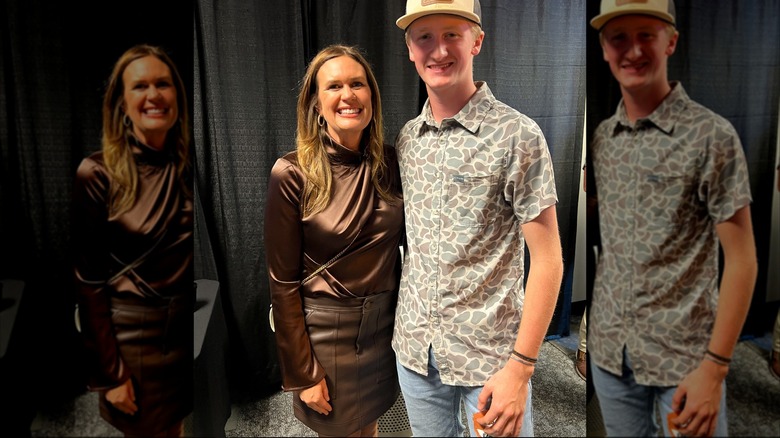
(441,47)
(635,49)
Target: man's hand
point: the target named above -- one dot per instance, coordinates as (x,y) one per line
(317,398)
(507,391)
(123,397)
(701,390)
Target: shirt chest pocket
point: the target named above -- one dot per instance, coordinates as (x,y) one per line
(664,199)
(471,200)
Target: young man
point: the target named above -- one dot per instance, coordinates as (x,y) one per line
(672,182)
(478,185)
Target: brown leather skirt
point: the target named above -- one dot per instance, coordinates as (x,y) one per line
(155,341)
(351,339)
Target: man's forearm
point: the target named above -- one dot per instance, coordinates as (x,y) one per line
(541,295)
(736,291)
(739,278)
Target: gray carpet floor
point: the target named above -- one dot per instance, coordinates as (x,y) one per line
(558,398)
(559,402)
(752,394)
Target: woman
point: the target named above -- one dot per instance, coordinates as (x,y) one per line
(333,226)
(133,249)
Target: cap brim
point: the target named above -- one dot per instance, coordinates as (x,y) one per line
(599,21)
(406,20)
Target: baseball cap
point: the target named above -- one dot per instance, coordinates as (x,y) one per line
(468,9)
(661,9)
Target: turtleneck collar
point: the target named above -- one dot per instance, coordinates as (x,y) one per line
(146,154)
(340,154)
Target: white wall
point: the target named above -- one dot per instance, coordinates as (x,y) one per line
(578,284)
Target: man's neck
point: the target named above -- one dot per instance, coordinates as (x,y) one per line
(446,103)
(641,103)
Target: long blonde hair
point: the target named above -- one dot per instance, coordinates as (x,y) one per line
(312,156)
(117,153)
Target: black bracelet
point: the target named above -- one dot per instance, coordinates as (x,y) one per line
(524,357)
(720,358)
(522,361)
(712,359)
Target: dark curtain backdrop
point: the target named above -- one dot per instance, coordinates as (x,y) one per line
(56,57)
(533,59)
(250,57)
(728,59)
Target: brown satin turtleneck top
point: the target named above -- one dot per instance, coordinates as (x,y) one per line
(297,246)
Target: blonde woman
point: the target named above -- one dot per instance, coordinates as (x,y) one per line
(132,240)
(333,226)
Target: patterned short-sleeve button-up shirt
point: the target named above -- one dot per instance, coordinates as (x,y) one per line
(663,184)
(469,183)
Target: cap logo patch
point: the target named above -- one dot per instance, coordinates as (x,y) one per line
(432,2)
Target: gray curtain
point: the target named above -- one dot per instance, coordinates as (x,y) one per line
(250,58)
(54,60)
(728,58)
(533,58)
(36,129)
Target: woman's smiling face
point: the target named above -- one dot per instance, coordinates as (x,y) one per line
(150,99)
(344,100)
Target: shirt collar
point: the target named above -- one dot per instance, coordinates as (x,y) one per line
(664,117)
(470,117)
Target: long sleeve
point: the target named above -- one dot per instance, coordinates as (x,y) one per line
(91,269)
(284,254)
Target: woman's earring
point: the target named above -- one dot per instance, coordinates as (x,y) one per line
(320,120)
(126,121)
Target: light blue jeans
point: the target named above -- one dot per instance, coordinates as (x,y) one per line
(434,408)
(630,409)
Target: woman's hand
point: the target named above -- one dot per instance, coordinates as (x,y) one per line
(123,397)
(317,398)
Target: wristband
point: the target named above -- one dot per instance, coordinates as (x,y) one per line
(720,358)
(533,360)
(524,362)
(712,359)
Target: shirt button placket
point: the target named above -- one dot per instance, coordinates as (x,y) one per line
(437,206)
(632,203)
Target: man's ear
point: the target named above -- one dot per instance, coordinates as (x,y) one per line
(478,44)
(672,43)
(603,47)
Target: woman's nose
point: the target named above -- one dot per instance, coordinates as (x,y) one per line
(347,93)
